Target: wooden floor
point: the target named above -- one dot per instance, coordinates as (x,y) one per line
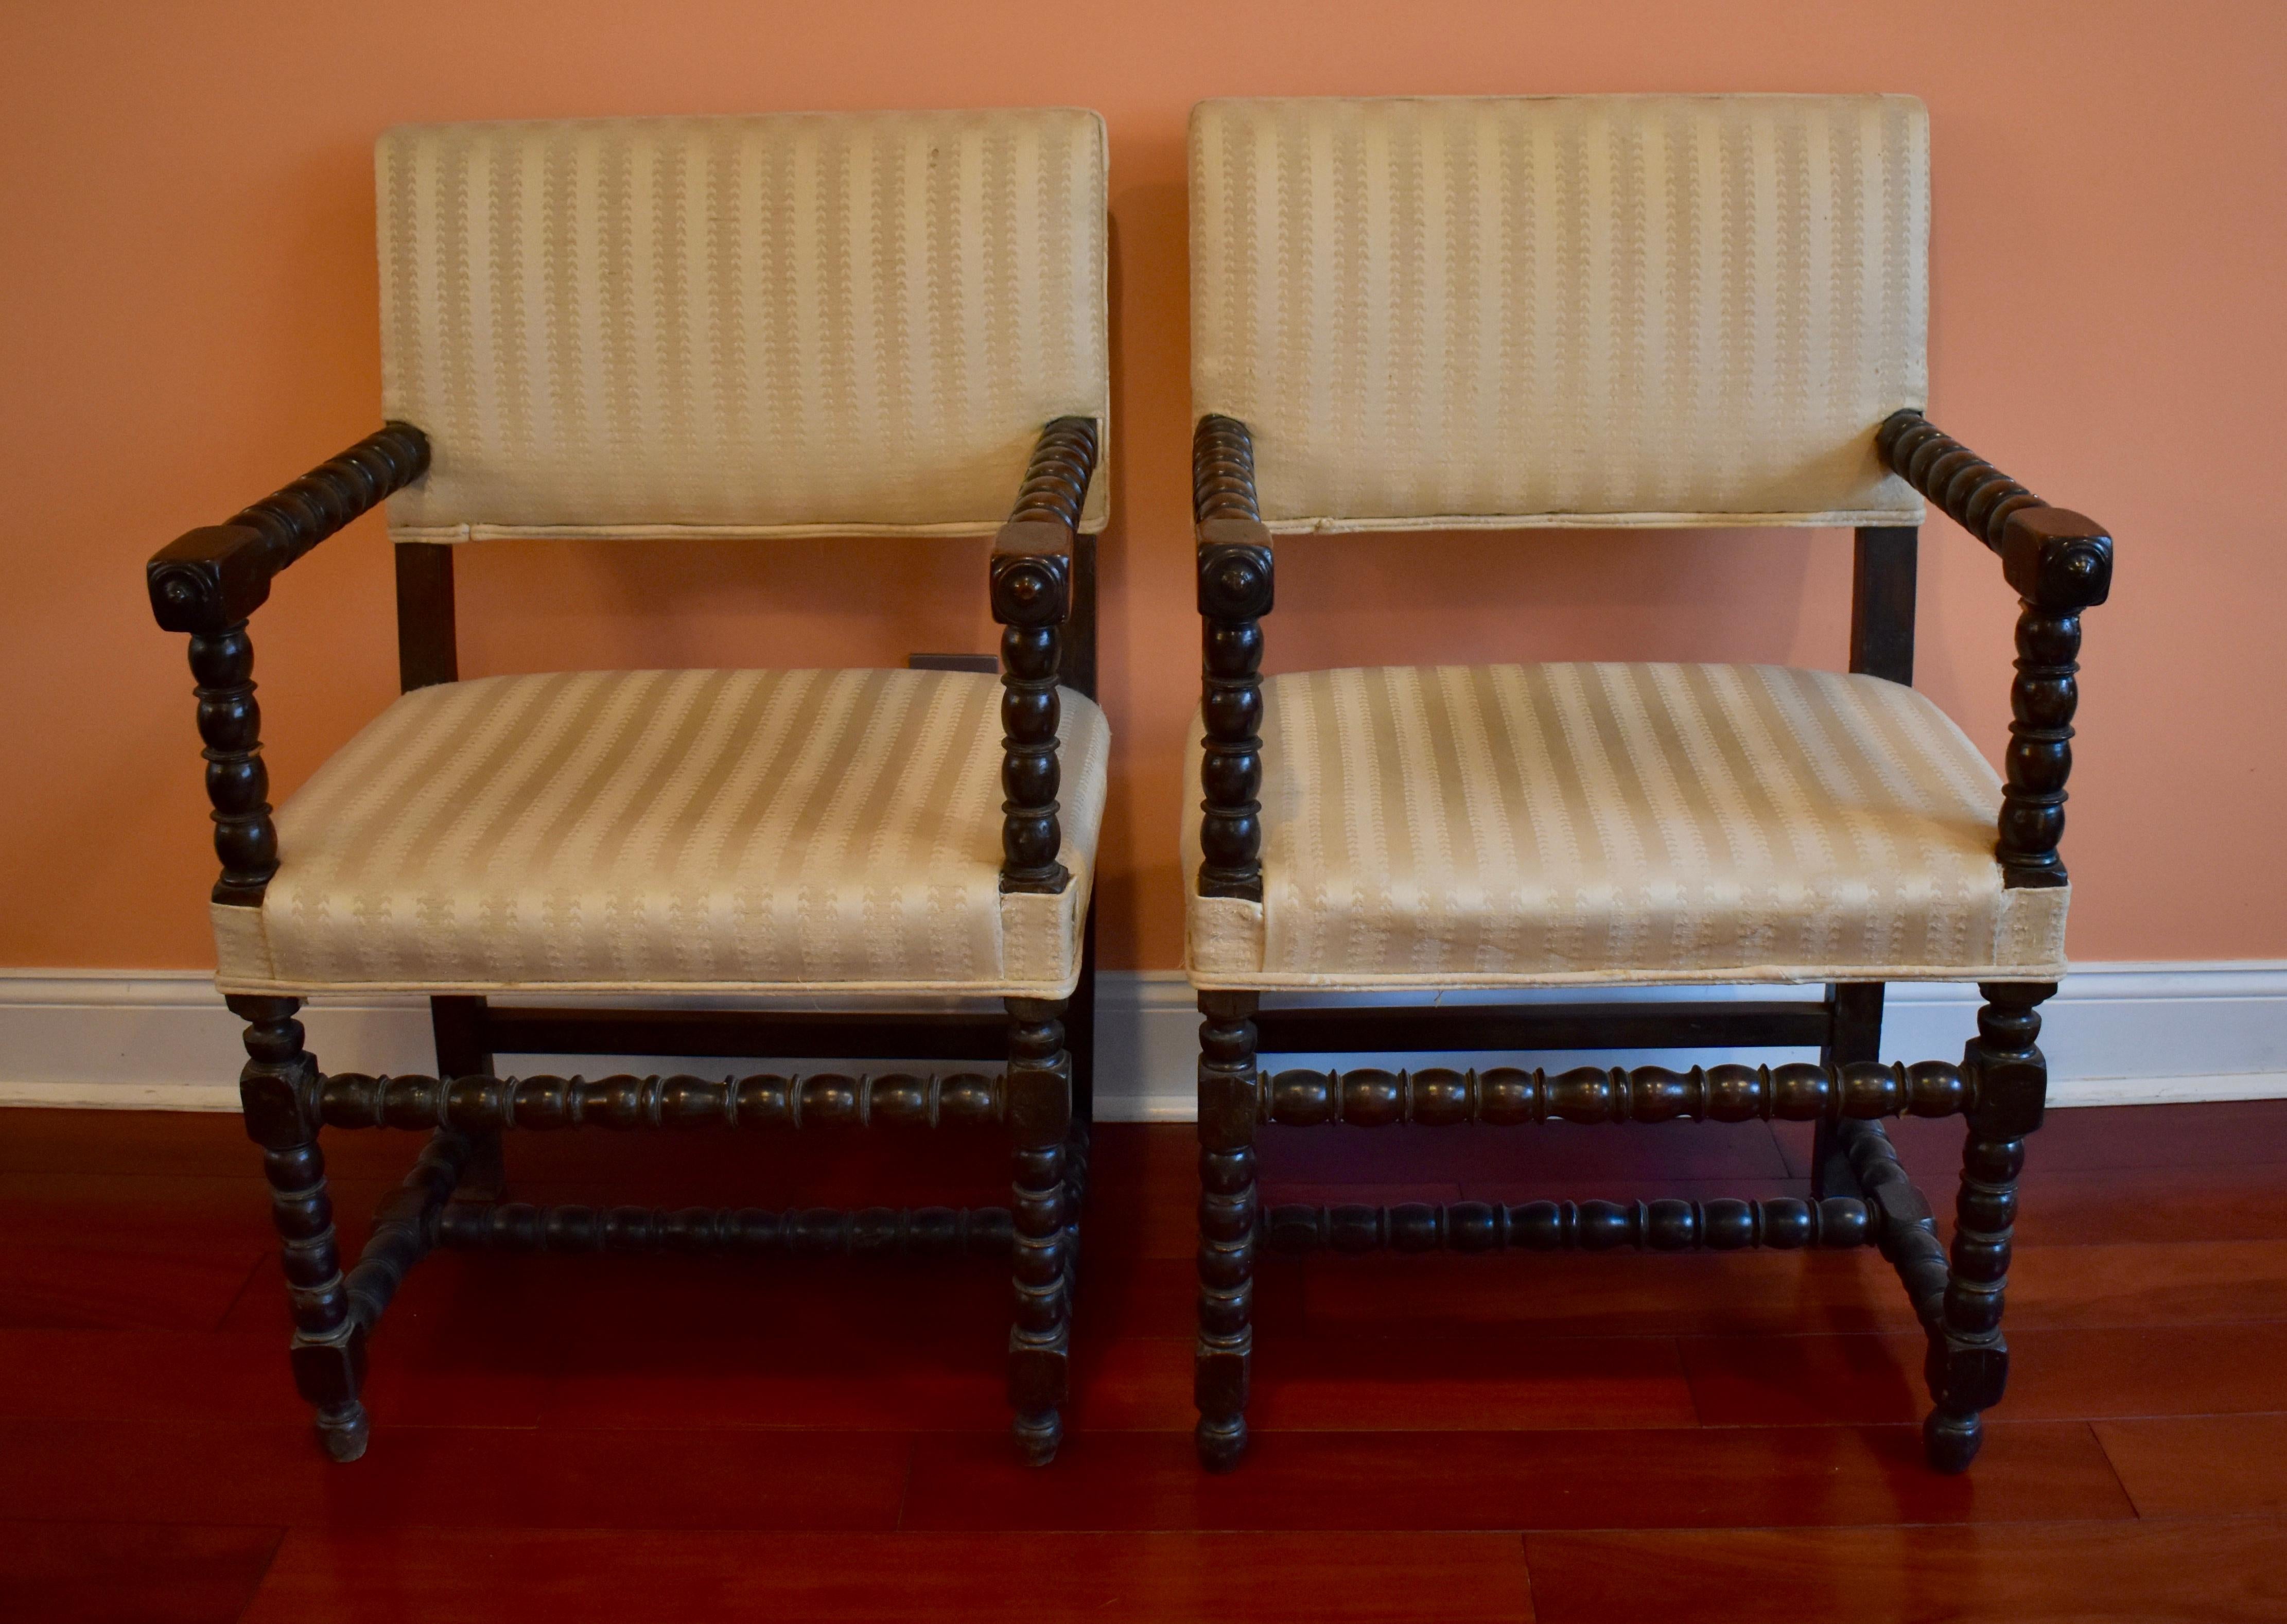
(1682,1438)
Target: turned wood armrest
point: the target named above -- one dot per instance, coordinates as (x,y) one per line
(214,577)
(1032,572)
(1236,580)
(2061,563)
(2055,557)
(208,581)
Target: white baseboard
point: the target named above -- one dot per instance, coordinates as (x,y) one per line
(2117,1033)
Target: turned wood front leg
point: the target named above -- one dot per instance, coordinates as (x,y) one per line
(1228,1107)
(1039,1105)
(276,1091)
(1968,1364)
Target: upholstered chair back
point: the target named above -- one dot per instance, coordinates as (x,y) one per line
(780,325)
(1593,310)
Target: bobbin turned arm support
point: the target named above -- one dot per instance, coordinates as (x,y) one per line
(207,581)
(211,579)
(2061,563)
(1031,598)
(1236,580)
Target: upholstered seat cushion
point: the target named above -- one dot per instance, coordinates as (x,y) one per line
(704,830)
(1545,824)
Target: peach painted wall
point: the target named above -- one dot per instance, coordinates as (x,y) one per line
(188,295)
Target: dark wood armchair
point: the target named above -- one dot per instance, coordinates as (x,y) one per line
(629,329)
(1416,315)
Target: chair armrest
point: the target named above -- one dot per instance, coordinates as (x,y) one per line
(2055,557)
(208,581)
(2061,563)
(1236,581)
(212,578)
(1032,597)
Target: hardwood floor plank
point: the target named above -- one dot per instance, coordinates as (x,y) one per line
(605,1578)
(548,1299)
(1777,1294)
(2065,1202)
(1710,1476)
(1143,1196)
(2201,1465)
(32,1140)
(1121,1297)
(2054,1374)
(809,1168)
(2194,1137)
(192,1471)
(155,1282)
(211,1209)
(2196,1572)
(2148,1284)
(446,1380)
(56,1572)
(137,1375)
(2186,1139)
(855,1382)
(2148,1204)
(1607,1294)
(1400,1385)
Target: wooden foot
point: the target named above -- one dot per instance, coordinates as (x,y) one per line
(343,1430)
(1229,1103)
(1222,1441)
(1951,1442)
(1040,1110)
(1038,1436)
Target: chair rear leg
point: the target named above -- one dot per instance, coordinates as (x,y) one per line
(1040,1113)
(464,1049)
(1853,1031)
(1968,1365)
(275,1090)
(1227,1221)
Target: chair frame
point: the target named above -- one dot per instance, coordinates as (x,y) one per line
(2060,563)
(1042,589)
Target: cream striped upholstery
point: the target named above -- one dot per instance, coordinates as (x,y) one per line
(1514,825)
(790,324)
(1593,310)
(705,830)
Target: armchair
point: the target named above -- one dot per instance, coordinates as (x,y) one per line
(632,329)
(1606,310)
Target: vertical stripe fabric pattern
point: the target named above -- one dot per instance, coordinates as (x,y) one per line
(1595,310)
(704,829)
(1521,824)
(790,324)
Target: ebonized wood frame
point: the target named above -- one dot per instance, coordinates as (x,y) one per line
(1043,590)
(2060,563)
